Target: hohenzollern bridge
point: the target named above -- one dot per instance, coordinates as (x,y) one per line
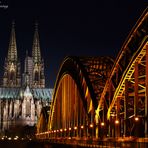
(101,97)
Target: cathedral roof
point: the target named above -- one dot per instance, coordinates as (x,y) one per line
(16,93)
(9,93)
(42,93)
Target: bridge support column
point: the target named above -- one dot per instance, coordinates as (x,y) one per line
(125,108)
(136,89)
(146,95)
(110,133)
(117,124)
(97,126)
(136,95)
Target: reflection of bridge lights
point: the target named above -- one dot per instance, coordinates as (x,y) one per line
(61,130)
(54,131)
(57,131)
(65,129)
(102,123)
(116,121)
(91,125)
(136,119)
(82,126)
(75,128)
(70,129)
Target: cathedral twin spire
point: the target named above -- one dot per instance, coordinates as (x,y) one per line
(12,51)
(36,46)
(12,73)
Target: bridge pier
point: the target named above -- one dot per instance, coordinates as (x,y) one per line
(146,95)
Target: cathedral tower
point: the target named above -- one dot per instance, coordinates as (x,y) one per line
(38,80)
(12,76)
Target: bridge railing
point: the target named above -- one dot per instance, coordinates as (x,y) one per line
(127,142)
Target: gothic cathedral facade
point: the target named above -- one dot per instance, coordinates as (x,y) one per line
(22,96)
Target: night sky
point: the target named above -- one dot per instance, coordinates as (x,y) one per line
(72,27)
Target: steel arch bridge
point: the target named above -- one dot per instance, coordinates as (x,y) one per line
(100,97)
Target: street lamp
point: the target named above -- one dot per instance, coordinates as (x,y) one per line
(91,125)
(102,123)
(75,128)
(82,126)
(116,121)
(136,119)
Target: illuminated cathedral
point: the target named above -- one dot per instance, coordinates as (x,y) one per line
(22,96)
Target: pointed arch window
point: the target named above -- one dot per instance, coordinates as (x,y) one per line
(36,76)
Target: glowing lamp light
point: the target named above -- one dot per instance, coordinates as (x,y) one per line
(102,123)
(75,128)
(116,121)
(57,131)
(70,129)
(65,129)
(61,130)
(136,119)
(91,125)
(54,131)
(82,126)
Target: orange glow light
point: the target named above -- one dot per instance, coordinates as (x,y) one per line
(70,128)
(91,125)
(102,123)
(75,127)
(61,130)
(82,126)
(116,121)
(136,119)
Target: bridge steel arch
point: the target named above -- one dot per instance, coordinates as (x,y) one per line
(126,90)
(79,85)
(99,97)
(43,120)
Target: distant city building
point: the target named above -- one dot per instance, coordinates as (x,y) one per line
(22,96)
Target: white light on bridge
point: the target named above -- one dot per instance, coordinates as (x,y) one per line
(75,128)
(116,121)
(82,126)
(136,119)
(91,125)
(102,123)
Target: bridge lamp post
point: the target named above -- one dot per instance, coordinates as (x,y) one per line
(91,128)
(136,119)
(70,132)
(75,128)
(116,128)
(65,132)
(82,127)
(61,130)
(102,129)
(57,133)
(54,133)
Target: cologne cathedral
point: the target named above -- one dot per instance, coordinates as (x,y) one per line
(22,96)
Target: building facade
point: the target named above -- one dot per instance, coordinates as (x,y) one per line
(22,96)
